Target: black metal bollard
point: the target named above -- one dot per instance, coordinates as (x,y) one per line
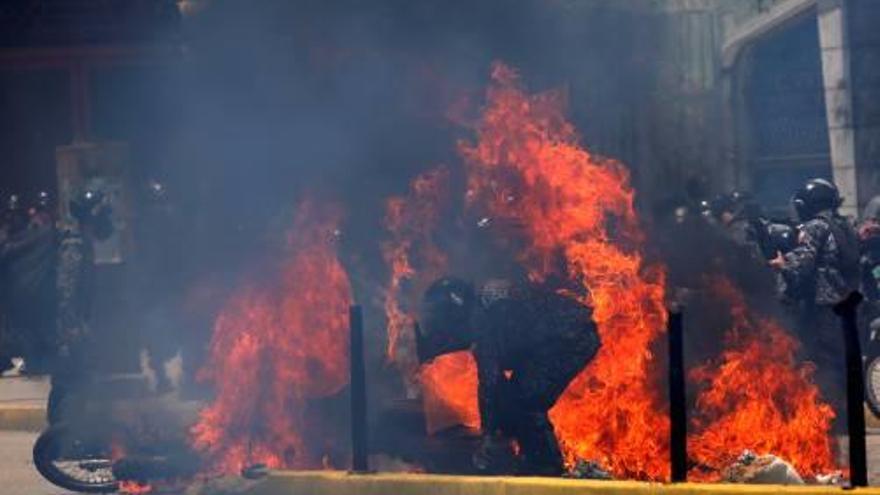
(359,461)
(855,389)
(677,406)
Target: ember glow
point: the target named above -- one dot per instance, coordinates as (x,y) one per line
(577,211)
(134,488)
(275,347)
(756,396)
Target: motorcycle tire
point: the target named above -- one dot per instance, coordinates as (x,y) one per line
(872,383)
(47,453)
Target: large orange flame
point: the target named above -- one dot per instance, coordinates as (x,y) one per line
(578,220)
(411,253)
(276,346)
(757,396)
(448,383)
(577,210)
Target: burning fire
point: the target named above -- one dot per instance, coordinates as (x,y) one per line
(448,383)
(134,488)
(577,211)
(274,348)
(758,397)
(129,487)
(411,252)
(577,216)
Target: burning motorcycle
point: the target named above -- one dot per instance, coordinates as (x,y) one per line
(115,433)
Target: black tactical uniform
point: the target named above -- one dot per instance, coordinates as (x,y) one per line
(820,272)
(736,214)
(823,267)
(27,259)
(529,343)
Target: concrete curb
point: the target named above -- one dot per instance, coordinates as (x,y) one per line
(22,417)
(339,483)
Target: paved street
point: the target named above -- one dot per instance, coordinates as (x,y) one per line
(17,474)
(26,398)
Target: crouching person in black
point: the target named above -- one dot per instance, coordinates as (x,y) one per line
(529,343)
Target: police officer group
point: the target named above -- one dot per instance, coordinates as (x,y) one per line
(47,268)
(818,258)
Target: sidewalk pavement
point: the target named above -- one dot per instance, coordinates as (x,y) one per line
(23,403)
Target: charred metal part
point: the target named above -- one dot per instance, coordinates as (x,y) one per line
(255,471)
(148,468)
(677,406)
(359,451)
(855,389)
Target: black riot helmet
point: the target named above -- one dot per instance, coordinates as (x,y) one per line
(782,237)
(90,209)
(86,204)
(13,202)
(156,191)
(44,200)
(446,313)
(13,216)
(739,204)
(816,196)
(42,203)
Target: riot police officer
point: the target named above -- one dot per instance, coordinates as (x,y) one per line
(736,214)
(818,273)
(27,263)
(529,342)
(824,266)
(89,220)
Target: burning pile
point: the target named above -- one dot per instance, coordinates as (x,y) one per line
(276,347)
(757,397)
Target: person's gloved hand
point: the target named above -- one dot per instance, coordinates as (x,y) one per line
(494,454)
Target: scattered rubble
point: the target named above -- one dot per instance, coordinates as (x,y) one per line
(764,469)
(588,470)
(830,479)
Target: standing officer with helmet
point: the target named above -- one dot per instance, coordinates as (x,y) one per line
(820,272)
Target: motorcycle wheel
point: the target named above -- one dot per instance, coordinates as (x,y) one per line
(74,463)
(872,383)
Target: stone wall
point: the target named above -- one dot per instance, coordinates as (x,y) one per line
(864,43)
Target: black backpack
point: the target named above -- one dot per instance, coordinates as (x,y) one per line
(848,247)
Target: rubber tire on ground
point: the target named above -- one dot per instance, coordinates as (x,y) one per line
(44,452)
(872,383)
